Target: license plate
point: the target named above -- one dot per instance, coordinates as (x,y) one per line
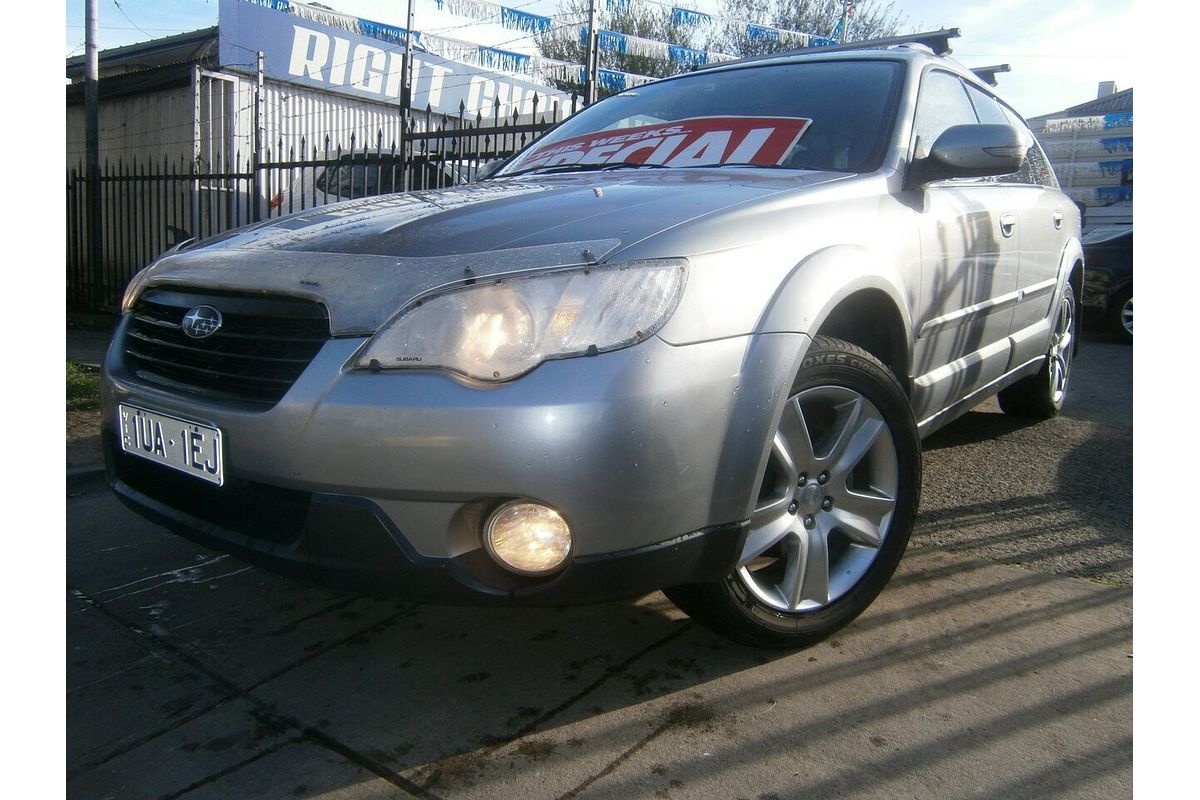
(176,443)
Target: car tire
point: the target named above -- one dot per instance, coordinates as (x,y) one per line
(1120,314)
(834,511)
(1041,395)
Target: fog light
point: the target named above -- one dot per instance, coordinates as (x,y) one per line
(528,538)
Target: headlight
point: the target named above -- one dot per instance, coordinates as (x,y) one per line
(502,329)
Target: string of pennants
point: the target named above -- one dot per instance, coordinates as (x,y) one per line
(505,17)
(537,66)
(324,16)
(696,19)
(613,41)
(636,45)
(611,79)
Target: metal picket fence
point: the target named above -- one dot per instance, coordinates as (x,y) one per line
(149,206)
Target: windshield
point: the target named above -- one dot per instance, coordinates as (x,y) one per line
(831,115)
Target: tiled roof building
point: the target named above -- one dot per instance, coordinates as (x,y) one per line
(1090,146)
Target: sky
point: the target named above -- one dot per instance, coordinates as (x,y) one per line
(1059,52)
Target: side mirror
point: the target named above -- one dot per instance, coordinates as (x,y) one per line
(971,151)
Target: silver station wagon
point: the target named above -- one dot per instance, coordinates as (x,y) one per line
(689,340)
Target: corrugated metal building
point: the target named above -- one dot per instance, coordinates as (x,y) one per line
(180,130)
(168,98)
(1091,148)
(174,98)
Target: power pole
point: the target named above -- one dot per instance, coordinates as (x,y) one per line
(194,167)
(91,103)
(593,55)
(406,72)
(847,10)
(259,137)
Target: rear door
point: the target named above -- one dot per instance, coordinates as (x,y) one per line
(970,252)
(1047,218)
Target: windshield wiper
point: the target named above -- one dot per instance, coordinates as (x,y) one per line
(561,168)
(763,166)
(736,164)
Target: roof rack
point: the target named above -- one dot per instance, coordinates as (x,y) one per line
(988,74)
(937,41)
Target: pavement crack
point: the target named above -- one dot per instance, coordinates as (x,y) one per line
(611,672)
(622,758)
(608,675)
(266,711)
(216,776)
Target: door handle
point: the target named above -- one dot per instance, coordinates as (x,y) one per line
(1008,223)
(1057,216)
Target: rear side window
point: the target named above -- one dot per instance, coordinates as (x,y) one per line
(1036,169)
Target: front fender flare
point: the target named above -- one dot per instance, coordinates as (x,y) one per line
(822,281)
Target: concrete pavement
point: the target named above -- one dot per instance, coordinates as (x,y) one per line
(192,675)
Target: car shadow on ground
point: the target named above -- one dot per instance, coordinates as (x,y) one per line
(192,674)
(1054,495)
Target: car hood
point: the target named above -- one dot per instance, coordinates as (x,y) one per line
(365,259)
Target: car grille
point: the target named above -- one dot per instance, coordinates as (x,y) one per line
(262,346)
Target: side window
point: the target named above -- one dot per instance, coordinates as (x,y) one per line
(991,112)
(986,107)
(942,103)
(1036,169)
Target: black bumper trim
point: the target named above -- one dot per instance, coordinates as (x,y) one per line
(349,543)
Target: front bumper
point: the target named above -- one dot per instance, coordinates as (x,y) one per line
(350,543)
(381,482)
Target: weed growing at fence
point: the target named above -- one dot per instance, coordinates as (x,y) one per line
(83,387)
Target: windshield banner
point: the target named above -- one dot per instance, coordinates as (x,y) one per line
(697,142)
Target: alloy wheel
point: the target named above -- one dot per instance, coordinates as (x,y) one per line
(1062,347)
(826,503)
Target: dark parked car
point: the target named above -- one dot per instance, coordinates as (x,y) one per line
(1108,281)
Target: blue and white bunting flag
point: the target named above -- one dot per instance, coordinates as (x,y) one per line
(503,60)
(687,55)
(497,14)
(523,21)
(686,16)
(762,32)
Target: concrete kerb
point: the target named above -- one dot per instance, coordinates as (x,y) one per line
(86,346)
(77,477)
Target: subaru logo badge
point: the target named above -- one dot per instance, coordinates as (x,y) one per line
(201,321)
